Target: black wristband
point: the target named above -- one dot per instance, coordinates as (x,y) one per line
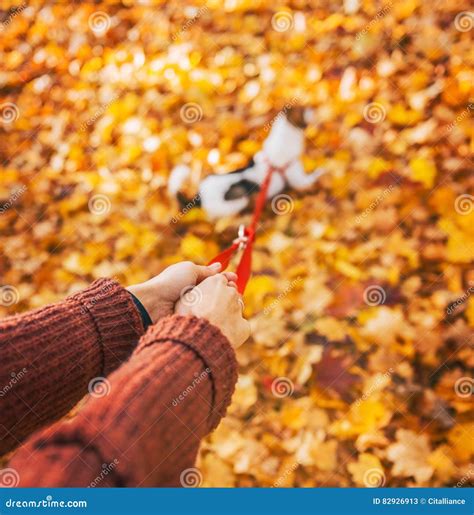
(147,321)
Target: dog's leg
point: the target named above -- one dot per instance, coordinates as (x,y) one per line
(298,179)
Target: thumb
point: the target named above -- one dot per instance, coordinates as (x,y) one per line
(203,272)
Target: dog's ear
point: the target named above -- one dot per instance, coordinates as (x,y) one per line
(297,116)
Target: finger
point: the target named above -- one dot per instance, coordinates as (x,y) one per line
(231,276)
(233,284)
(203,272)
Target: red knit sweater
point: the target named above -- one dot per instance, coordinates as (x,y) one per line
(143,425)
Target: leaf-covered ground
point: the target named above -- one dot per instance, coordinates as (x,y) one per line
(359,371)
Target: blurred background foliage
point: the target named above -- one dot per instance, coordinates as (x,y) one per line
(359,371)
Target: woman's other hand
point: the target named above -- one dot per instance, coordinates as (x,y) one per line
(160,294)
(216,299)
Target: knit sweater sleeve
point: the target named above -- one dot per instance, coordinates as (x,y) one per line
(145,427)
(51,356)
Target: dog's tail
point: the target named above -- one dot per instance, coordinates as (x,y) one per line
(178,176)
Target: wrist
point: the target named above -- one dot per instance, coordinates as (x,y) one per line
(147,295)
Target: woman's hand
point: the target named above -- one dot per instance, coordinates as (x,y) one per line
(160,294)
(216,299)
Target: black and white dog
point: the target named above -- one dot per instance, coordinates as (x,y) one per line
(228,194)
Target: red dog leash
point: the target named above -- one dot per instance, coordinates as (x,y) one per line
(246,235)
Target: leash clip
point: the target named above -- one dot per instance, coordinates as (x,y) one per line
(241,239)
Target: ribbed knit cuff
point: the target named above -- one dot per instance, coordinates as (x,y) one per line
(210,345)
(116,319)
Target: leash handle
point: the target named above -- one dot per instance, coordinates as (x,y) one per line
(246,238)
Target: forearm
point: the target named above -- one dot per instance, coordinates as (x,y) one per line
(172,392)
(49,356)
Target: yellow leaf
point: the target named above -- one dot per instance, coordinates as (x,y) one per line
(367,471)
(423,170)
